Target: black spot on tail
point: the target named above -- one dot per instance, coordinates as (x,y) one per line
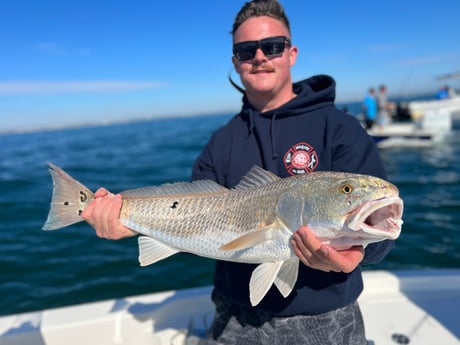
(83,196)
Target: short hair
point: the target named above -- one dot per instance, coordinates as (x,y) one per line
(259,8)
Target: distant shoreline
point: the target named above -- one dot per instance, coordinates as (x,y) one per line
(351,106)
(92,124)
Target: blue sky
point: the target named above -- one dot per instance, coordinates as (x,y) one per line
(72,62)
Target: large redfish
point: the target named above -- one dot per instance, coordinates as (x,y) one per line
(251,223)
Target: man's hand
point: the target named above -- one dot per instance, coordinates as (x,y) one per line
(103,215)
(323,257)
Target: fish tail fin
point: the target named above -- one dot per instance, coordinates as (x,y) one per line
(69,199)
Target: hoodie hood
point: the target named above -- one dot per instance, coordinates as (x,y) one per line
(312,93)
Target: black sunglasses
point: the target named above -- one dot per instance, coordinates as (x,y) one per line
(271,46)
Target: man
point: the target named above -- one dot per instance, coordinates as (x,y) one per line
(384,107)
(288,129)
(370,108)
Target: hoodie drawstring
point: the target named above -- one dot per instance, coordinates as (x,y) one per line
(272,130)
(251,121)
(272,135)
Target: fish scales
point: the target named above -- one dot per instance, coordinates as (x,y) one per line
(188,221)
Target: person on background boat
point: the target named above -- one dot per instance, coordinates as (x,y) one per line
(287,128)
(442,93)
(384,107)
(370,108)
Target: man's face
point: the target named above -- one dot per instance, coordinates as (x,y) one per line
(264,76)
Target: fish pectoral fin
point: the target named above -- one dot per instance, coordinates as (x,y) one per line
(151,251)
(287,276)
(250,239)
(262,279)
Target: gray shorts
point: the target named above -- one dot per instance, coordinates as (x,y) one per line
(343,326)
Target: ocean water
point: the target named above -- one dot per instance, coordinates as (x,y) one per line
(49,269)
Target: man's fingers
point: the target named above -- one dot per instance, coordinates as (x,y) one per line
(103,214)
(101,192)
(349,259)
(312,252)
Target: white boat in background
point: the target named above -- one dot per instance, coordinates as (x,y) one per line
(451,103)
(419,307)
(425,122)
(430,128)
(418,109)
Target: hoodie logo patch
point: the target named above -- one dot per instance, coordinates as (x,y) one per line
(300,159)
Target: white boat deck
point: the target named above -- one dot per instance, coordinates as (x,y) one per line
(419,108)
(409,307)
(430,129)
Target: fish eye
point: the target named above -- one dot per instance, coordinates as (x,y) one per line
(347,188)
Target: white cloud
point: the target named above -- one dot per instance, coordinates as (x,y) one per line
(51,48)
(384,47)
(426,60)
(58,87)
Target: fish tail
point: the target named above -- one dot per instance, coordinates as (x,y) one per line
(69,199)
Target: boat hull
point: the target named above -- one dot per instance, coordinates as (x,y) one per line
(432,128)
(421,306)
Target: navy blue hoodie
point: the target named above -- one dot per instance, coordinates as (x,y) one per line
(306,134)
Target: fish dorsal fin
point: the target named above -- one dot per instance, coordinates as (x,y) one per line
(256,177)
(200,186)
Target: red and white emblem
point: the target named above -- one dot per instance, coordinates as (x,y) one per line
(300,159)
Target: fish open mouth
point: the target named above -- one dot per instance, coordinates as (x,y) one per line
(379,218)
